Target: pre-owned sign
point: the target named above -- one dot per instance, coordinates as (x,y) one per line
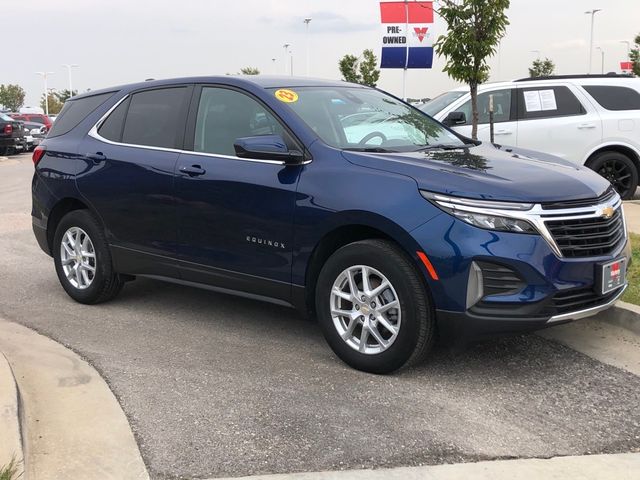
(407,34)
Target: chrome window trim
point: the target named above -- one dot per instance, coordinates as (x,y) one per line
(588,312)
(536,215)
(94,134)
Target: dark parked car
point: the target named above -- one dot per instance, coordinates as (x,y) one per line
(12,135)
(388,228)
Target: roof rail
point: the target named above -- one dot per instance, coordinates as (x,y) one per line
(566,77)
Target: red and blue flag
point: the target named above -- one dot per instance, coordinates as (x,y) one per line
(407,34)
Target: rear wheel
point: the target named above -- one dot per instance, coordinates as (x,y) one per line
(373,308)
(619,169)
(83,260)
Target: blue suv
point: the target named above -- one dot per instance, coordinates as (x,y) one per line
(337,199)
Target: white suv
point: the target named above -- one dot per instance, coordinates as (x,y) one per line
(591,120)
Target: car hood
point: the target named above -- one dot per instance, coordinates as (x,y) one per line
(487,172)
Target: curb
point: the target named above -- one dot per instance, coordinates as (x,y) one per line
(11,444)
(621,466)
(625,315)
(73,427)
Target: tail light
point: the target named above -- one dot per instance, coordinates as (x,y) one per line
(8,129)
(38,153)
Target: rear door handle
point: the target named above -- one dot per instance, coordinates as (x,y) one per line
(193,170)
(584,126)
(503,132)
(96,157)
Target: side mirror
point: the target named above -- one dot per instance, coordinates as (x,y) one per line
(267,147)
(455,118)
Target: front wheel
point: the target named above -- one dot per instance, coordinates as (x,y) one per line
(83,260)
(619,170)
(373,308)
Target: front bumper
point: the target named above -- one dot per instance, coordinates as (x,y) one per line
(553,289)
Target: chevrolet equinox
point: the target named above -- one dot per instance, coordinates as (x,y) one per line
(337,199)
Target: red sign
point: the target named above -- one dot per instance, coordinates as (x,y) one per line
(626,66)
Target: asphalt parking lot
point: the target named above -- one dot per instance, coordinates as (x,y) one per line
(215,385)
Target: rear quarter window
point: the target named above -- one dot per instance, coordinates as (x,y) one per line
(614,98)
(74,111)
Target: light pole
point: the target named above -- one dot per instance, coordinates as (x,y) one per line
(275,71)
(286,51)
(69,66)
(44,76)
(537,52)
(593,14)
(307,21)
(628,49)
(602,59)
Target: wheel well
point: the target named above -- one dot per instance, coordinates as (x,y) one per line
(619,149)
(60,209)
(331,242)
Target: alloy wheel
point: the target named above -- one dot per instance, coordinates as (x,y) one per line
(365,309)
(619,175)
(78,258)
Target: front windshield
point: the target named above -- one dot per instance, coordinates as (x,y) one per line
(433,107)
(363,119)
(5,118)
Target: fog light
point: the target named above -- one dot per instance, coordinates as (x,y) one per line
(475,285)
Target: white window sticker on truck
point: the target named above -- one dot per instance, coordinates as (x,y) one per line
(540,100)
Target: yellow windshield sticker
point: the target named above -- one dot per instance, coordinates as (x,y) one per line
(287,96)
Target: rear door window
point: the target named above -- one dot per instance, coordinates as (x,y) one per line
(73,112)
(547,102)
(614,98)
(155,118)
(113,125)
(501,107)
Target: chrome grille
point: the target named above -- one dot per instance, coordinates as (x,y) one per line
(588,237)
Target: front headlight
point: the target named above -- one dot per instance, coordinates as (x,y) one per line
(487,214)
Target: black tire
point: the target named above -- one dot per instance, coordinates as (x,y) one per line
(106,283)
(417,328)
(619,169)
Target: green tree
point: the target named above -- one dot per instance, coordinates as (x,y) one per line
(475,28)
(65,95)
(634,56)
(348,66)
(368,71)
(360,69)
(249,71)
(542,68)
(55,105)
(12,96)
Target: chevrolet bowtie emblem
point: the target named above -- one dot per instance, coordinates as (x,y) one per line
(607,212)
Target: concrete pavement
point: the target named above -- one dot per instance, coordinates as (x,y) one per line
(73,426)
(214,385)
(632,215)
(624,466)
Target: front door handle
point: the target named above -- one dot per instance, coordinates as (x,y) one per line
(193,170)
(584,126)
(502,132)
(96,157)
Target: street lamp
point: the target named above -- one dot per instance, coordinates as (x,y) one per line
(69,66)
(602,59)
(593,14)
(628,49)
(44,76)
(537,52)
(274,66)
(307,21)
(286,50)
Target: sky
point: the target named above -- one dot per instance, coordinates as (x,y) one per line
(124,41)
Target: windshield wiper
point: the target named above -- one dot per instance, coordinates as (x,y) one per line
(444,146)
(371,150)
